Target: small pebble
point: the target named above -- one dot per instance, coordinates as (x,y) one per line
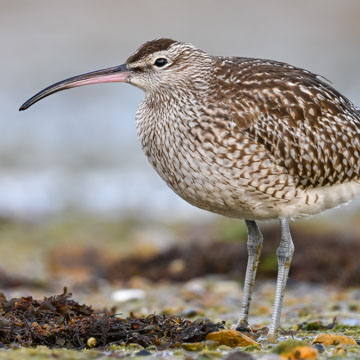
(190,312)
(134,346)
(319,347)
(91,342)
(192,346)
(340,350)
(194,287)
(124,295)
(143,352)
(151,347)
(209,354)
(270,357)
(239,355)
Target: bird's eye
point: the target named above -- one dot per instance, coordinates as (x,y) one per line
(160,62)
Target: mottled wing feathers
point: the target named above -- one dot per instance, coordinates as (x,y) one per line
(307,126)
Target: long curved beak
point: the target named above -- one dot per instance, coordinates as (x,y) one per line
(113,74)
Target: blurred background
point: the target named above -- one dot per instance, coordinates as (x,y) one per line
(71,168)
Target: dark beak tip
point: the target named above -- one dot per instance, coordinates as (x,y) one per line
(23,107)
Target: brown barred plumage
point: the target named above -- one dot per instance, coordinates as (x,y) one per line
(267,139)
(247,138)
(309,128)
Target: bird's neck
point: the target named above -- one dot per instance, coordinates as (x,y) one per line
(163,114)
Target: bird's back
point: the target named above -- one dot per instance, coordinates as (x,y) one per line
(308,127)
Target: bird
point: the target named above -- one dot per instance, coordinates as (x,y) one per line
(247,138)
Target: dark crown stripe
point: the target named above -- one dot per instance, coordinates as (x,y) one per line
(150,47)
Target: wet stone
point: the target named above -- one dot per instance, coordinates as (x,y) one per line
(209,354)
(198,346)
(270,357)
(239,355)
(319,347)
(192,346)
(143,352)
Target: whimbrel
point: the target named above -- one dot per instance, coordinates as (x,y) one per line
(246,138)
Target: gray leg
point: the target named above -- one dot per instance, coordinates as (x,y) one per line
(254,245)
(284,255)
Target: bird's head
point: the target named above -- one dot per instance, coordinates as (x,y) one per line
(165,63)
(157,65)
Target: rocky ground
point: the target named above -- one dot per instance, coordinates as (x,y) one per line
(145,290)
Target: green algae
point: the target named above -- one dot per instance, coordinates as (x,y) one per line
(288,345)
(349,330)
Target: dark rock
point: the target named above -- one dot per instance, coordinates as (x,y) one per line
(143,353)
(319,347)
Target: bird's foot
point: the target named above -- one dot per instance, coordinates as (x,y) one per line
(242,326)
(271,337)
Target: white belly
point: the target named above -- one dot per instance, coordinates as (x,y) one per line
(316,200)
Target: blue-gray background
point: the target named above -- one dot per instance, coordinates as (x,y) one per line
(77,150)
